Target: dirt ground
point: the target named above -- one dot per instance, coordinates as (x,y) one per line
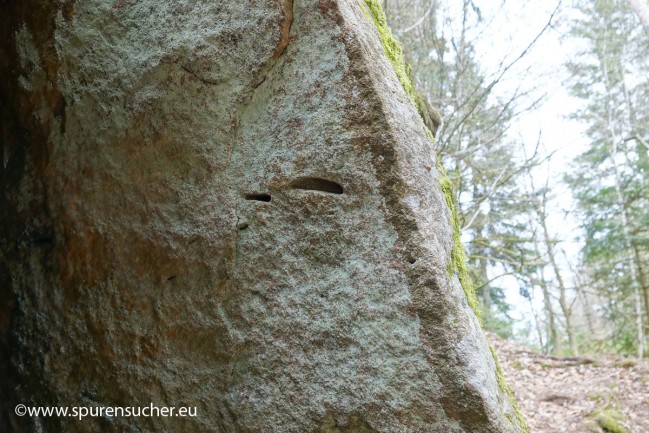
(576,394)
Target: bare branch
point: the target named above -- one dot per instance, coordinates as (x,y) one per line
(488,89)
(419,21)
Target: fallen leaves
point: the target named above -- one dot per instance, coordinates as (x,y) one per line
(567,394)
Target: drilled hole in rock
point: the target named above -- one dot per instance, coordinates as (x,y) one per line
(317,184)
(412,261)
(258,197)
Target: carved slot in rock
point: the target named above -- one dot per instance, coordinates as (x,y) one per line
(317,184)
(258,197)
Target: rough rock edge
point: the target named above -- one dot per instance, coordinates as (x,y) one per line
(395,55)
(374,12)
(285,27)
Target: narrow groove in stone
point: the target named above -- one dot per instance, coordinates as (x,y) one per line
(258,197)
(317,184)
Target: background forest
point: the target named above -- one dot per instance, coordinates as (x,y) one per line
(545,114)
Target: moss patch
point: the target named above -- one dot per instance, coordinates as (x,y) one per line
(518,366)
(458,258)
(607,420)
(392,48)
(504,387)
(374,12)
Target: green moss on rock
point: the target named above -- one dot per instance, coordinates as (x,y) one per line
(607,420)
(504,387)
(392,49)
(458,257)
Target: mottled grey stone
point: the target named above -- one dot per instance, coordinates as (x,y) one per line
(228,205)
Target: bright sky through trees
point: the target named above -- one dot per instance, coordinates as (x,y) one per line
(517,122)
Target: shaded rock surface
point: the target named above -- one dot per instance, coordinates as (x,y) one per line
(232,206)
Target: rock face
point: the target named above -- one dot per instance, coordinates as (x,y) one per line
(231,206)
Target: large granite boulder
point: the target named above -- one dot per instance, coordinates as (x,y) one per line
(232,206)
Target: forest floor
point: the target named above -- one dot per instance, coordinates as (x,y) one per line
(576,394)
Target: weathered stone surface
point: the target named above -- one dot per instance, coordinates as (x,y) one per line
(228,205)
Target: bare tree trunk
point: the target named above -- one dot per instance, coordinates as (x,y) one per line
(630,256)
(641,9)
(537,323)
(481,254)
(553,340)
(616,139)
(642,149)
(642,280)
(585,305)
(629,247)
(588,312)
(563,301)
